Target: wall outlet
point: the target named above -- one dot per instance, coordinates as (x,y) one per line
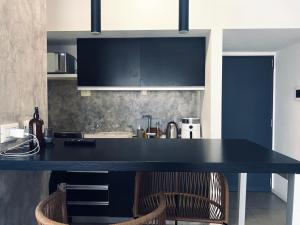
(4,132)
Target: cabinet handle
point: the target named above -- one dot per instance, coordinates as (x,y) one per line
(88,203)
(87,187)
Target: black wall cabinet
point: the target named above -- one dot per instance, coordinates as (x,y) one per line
(172,61)
(108,62)
(141,62)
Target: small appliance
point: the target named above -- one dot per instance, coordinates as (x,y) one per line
(191,128)
(172,130)
(60,62)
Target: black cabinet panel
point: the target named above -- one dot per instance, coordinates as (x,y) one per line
(121,193)
(172,61)
(141,62)
(87,178)
(108,62)
(87,210)
(87,195)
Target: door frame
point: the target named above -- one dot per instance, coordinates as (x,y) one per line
(274,96)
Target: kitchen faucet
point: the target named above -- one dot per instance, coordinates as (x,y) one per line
(149,117)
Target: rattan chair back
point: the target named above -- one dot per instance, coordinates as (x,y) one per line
(191,196)
(154,211)
(52,210)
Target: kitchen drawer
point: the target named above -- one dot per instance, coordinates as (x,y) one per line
(87,195)
(87,210)
(119,193)
(87,178)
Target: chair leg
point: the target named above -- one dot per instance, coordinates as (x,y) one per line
(176,222)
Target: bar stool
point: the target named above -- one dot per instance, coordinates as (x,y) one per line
(52,210)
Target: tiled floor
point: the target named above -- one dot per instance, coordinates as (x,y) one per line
(261,209)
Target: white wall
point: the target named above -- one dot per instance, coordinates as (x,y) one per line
(68,15)
(257,13)
(287,119)
(74,15)
(212,102)
(126,14)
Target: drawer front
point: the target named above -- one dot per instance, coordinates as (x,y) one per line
(87,195)
(87,178)
(87,187)
(87,210)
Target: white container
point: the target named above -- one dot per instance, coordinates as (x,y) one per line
(190,128)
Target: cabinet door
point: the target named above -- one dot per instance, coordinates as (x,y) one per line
(121,193)
(172,61)
(108,62)
(247,108)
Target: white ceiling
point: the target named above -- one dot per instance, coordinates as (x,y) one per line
(249,40)
(69,37)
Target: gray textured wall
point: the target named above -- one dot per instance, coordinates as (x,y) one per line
(116,110)
(23,47)
(22,85)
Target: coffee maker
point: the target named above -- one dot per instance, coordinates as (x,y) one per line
(191,128)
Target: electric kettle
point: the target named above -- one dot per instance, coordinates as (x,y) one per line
(172,130)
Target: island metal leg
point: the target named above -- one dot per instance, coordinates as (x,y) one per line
(293,200)
(242,190)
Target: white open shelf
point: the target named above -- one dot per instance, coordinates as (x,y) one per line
(57,76)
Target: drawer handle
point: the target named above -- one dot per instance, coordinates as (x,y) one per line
(87,187)
(87,171)
(88,203)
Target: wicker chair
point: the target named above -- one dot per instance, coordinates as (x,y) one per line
(154,211)
(52,211)
(191,196)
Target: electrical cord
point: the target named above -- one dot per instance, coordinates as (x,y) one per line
(23,145)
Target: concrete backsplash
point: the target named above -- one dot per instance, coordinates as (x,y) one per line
(23,85)
(116,110)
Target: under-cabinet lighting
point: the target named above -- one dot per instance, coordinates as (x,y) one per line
(157,88)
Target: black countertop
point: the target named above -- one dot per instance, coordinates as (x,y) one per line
(211,155)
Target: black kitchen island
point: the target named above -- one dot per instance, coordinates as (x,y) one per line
(209,155)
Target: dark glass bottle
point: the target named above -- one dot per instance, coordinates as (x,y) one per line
(36,126)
